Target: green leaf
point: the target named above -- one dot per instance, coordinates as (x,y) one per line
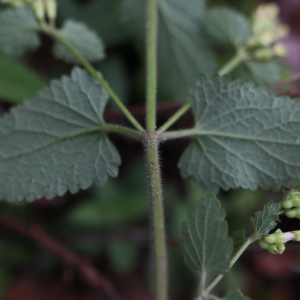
(17,83)
(245,137)
(238,237)
(182,51)
(18,31)
(263,73)
(56,142)
(82,39)
(205,244)
(265,220)
(225,26)
(234,294)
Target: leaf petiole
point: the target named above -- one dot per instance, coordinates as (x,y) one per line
(228,67)
(49,31)
(233,260)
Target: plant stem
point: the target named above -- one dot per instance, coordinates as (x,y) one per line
(234,62)
(94,73)
(233,260)
(155,191)
(151,65)
(228,67)
(128,131)
(151,147)
(177,134)
(174,118)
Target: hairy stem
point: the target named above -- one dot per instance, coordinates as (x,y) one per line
(151,64)
(239,57)
(153,166)
(177,134)
(233,260)
(128,131)
(94,73)
(155,191)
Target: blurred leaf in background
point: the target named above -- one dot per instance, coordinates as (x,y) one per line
(17,82)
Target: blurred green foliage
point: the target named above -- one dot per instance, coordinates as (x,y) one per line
(122,204)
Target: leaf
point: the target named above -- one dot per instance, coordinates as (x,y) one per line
(18,31)
(102,16)
(238,237)
(82,39)
(182,51)
(265,220)
(205,244)
(17,83)
(234,294)
(263,73)
(56,142)
(245,137)
(226,26)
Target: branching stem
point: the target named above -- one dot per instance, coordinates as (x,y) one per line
(93,72)
(233,260)
(240,56)
(152,157)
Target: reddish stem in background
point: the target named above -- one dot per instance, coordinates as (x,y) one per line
(89,273)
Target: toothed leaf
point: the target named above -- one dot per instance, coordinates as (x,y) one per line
(244,137)
(55,142)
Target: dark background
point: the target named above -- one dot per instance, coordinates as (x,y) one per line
(50,249)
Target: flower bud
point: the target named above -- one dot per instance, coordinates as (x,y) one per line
(38,8)
(262,244)
(276,249)
(263,54)
(293,213)
(51,9)
(279,237)
(297,235)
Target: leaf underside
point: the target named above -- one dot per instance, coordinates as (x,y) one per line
(245,137)
(55,142)
(226,27)
(18,28)
(205,244)
(234,294)
(82,39)
(265,220)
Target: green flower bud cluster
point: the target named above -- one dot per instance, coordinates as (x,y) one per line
(267,31)
(41,8)
(45,8)
(292,204)
(274,242)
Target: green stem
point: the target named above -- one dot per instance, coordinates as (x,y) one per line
(94,73)
(151,65)
(228,67)
(234,62)
(233,260)
(155,191)
(124,130)
(174,118)
(151,147)
(202,287)
(177,134)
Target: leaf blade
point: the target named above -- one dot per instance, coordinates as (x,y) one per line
(226,26)
(55,143)
(82,39)
(265,220)
(18,28)
(234,294)
(245,137)
(205,244)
